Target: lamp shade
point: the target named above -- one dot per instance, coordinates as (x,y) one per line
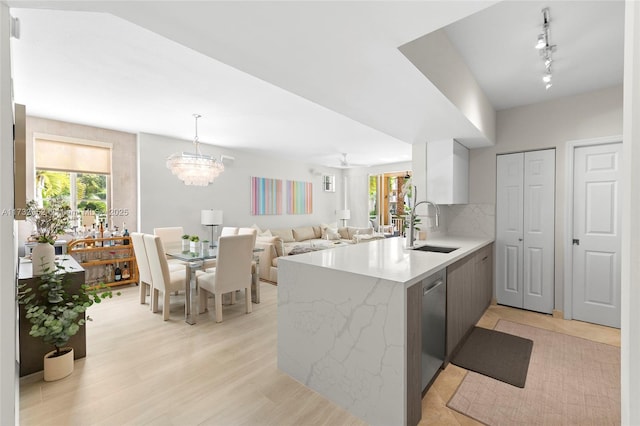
(211,217)
(343,214)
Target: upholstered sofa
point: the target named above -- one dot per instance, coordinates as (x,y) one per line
(281,242)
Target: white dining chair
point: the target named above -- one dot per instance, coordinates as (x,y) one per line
(144,273)
(170,235)
(228,230)
(164,279)
(232,272)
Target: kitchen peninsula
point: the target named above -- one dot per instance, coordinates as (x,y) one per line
(349,323)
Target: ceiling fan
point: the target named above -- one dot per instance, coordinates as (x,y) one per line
(345,164)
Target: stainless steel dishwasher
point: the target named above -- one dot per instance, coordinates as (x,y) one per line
(434,305)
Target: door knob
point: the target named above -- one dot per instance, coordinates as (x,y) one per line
(519,239)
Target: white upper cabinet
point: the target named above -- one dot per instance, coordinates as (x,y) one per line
(447,172)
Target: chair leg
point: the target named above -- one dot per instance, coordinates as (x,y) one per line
(204,295)
(218,298)
(247,299)
(143,292)
(154,300)
(166,305)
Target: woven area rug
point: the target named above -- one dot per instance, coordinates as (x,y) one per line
(571,381)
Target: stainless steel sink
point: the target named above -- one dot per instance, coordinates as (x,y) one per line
(436,249)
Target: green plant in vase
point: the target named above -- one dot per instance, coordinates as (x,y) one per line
(193,245)
(407,220)
(185,242)
(56,315)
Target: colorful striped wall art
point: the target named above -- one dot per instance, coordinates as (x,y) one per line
(266,196)
(299,197)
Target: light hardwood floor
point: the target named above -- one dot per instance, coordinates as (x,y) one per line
(141,370)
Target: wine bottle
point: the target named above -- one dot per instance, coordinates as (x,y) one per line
(125,272)
(107,234)
(125,241)
(117,274)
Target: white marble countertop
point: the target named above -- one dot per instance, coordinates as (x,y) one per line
(389,259)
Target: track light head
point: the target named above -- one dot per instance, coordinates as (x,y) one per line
(545,48)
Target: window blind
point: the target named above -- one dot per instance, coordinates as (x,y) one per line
(72,157)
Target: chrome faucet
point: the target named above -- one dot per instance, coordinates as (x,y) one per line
(412,217)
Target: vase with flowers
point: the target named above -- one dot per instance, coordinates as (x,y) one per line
(49,222)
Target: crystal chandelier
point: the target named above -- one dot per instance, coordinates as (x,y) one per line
(195,169)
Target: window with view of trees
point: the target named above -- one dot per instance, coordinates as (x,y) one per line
(83,191)
(76,170)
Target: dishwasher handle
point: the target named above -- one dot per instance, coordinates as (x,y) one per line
(431,287)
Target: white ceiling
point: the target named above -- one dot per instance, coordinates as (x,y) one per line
(497,44)
(302,80)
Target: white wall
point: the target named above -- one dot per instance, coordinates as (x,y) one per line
(8,368)
(165,201)
(630,333)
(547,125)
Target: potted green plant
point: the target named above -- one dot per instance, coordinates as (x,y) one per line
(416,223)
(49,222)
(193,243)
(56,315)
(185,241)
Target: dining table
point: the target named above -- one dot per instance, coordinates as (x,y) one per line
(195,260)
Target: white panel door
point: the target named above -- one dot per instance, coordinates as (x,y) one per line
(596,233)
(525,212)
(538,230)
(509,229)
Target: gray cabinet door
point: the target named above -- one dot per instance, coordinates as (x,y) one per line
(459,277)
(469,292)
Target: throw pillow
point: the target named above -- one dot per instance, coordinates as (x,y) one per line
(285,234)
(266,233)
(304,233)
(330,234)
(276,241)
(344,233)
(257,228)
(333,225)
(358,231)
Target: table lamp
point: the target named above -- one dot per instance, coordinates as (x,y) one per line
(211,218)
(343,215)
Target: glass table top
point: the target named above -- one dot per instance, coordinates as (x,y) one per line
(186,254)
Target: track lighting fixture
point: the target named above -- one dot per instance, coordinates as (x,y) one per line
(545,48)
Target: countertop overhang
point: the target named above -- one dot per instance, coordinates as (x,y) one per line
(388,259)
